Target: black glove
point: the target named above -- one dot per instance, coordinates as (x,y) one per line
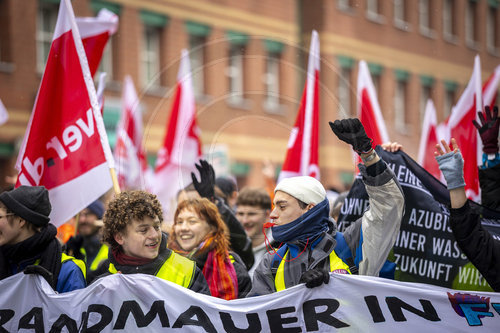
(352,132)
(315,278)
(205,187)
(488,130)
(40,270)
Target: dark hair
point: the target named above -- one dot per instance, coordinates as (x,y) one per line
(254,196)
(128,206)
(302,204)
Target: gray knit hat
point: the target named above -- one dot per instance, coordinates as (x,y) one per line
(29,202)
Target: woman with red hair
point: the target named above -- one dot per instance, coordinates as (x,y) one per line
(200,234)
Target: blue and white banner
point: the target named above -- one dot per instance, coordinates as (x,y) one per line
(425,250)
(144,303)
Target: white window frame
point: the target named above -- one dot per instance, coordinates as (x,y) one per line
(344,93)
(272,81)
(373,11)
(46,15)
(197,59)
(449,101)
(235,73)
(470,24)
(492,27)
(400,15)
(150,57)
(424,18)
(400,121)
(449,20)
(425,94)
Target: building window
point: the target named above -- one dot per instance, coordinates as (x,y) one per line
(198,34)
(449,97)
(425,94)
(400,118)
(400,16)
(46,24)
(470,24)
(272,81)
(400,102)
(150,57)
(272,76)
(492,27)
(373,11)
(345,109)
(197,58)
(425,17)
(345,5)
(235,73)
(449,21)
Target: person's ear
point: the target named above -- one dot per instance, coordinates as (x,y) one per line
(22,222)
(119,238)
(311,205)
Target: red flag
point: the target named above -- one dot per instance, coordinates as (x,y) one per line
(95,32)
(182,146)
(368,109)
(461,128)
(428,141)
(65,147)
(132,167)
(303,145)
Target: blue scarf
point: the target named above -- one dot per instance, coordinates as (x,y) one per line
(308,226)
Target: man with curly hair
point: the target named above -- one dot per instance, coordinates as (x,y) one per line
(137,245)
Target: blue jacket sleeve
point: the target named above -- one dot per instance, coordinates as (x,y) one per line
(70,278)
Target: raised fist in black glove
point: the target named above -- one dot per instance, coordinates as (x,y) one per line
(40,270)
(315,278)
(488,130)
(205,187)
(352,132)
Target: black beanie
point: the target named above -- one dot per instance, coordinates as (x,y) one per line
(29,202)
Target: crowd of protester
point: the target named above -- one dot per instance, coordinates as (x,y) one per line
(231,244)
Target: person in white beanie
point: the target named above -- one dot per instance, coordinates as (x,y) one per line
(311,246)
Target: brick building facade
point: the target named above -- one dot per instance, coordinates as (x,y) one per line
(249,60)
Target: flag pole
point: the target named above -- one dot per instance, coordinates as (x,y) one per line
(114,178)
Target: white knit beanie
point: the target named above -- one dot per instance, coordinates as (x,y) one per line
(304,188)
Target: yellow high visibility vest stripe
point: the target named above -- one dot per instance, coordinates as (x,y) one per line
(176,269)
(335,263)
(100,257)
(78,262)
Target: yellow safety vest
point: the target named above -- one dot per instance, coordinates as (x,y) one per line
(78,262)
(335,264)
(176,269)
(100,257)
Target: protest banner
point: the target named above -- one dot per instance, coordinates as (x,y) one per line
(425,250)
(144,303)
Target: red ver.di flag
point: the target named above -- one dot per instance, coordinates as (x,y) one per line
(65,147)
(303,145)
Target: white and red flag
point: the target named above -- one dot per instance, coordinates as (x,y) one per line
(4,116)
(132,168)
(368,109)
(460,127)
(303,145)
(428,141)
(182,146)
(65,147)
(95,33)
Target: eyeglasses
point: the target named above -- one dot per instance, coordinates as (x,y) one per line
(10,214)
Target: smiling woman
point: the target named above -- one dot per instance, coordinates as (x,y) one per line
(137,245)
(200,233)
